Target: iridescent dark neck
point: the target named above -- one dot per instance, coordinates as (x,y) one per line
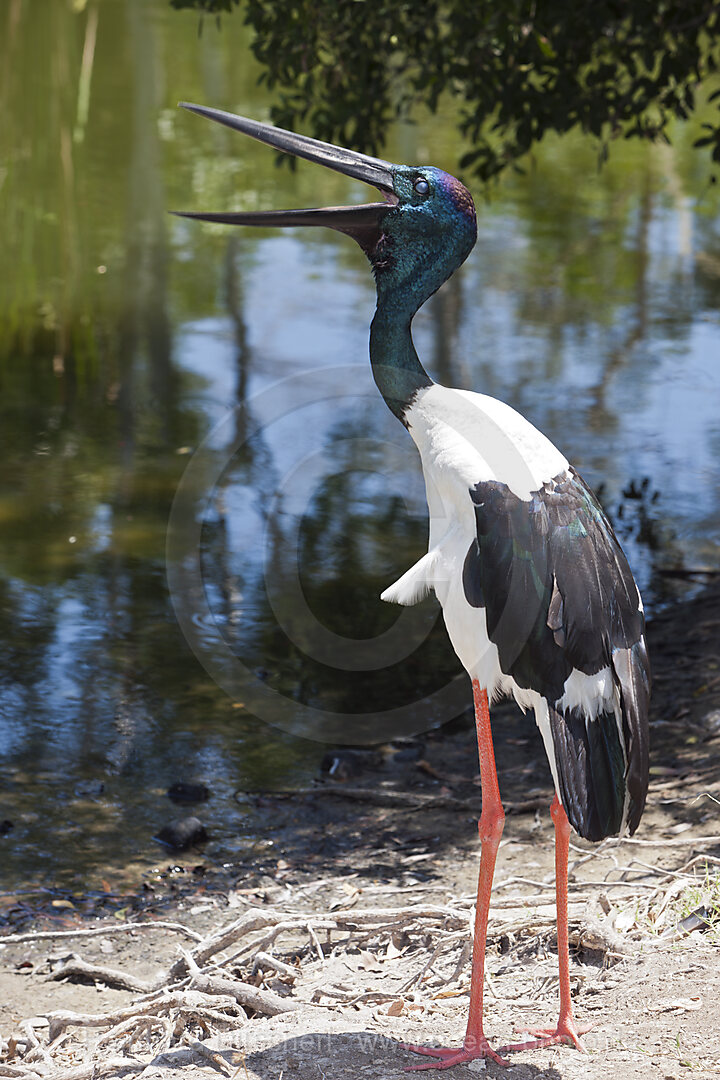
(420,247)
(396,368)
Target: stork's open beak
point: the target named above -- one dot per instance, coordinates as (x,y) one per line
(363,223)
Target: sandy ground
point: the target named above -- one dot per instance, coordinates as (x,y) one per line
(649,984)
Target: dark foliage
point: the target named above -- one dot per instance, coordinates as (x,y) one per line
(521,68)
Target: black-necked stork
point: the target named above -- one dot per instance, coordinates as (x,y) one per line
(537,596)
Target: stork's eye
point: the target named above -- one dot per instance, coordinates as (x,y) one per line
(421,186)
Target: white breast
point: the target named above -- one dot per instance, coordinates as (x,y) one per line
(474,438)
(463,439)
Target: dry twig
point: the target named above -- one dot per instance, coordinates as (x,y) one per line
(101,931)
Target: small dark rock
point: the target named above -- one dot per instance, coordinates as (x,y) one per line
(405,752)
(89,789)
(187,793)
(6,826)
(180,835)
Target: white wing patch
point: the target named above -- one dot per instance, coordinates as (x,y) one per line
(591,693)
(414,584)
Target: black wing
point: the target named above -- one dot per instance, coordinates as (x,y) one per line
(559,596)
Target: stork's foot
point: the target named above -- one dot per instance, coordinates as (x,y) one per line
(446,1058)
(567,1031)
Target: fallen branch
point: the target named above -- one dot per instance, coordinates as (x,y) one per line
(260,1001)
(36,1052)
(263,960)
(698,859)
(388,916)
(375,920)
(184,1000)
(100,931)
(676,841)
(75,967)
(210,1055)
(130,1028)
(97,1069)
(226,935)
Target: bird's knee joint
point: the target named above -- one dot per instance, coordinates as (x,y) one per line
(490,825)
(560,818)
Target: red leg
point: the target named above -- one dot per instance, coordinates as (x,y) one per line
(492,819)
(566,1030)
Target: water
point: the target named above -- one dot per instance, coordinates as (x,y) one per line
(155,371)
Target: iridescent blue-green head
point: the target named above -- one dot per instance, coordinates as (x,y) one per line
(426,235)
(415,238)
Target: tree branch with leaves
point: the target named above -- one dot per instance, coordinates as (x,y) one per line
(519,69)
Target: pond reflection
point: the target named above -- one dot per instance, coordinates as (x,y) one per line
(129,339)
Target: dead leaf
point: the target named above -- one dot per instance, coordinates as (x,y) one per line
(392,952)
(691,1004)
(451,993)
(396,1007)
(625,920)
(349,900)
(368,961)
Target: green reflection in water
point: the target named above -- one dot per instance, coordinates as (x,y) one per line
(125,334)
